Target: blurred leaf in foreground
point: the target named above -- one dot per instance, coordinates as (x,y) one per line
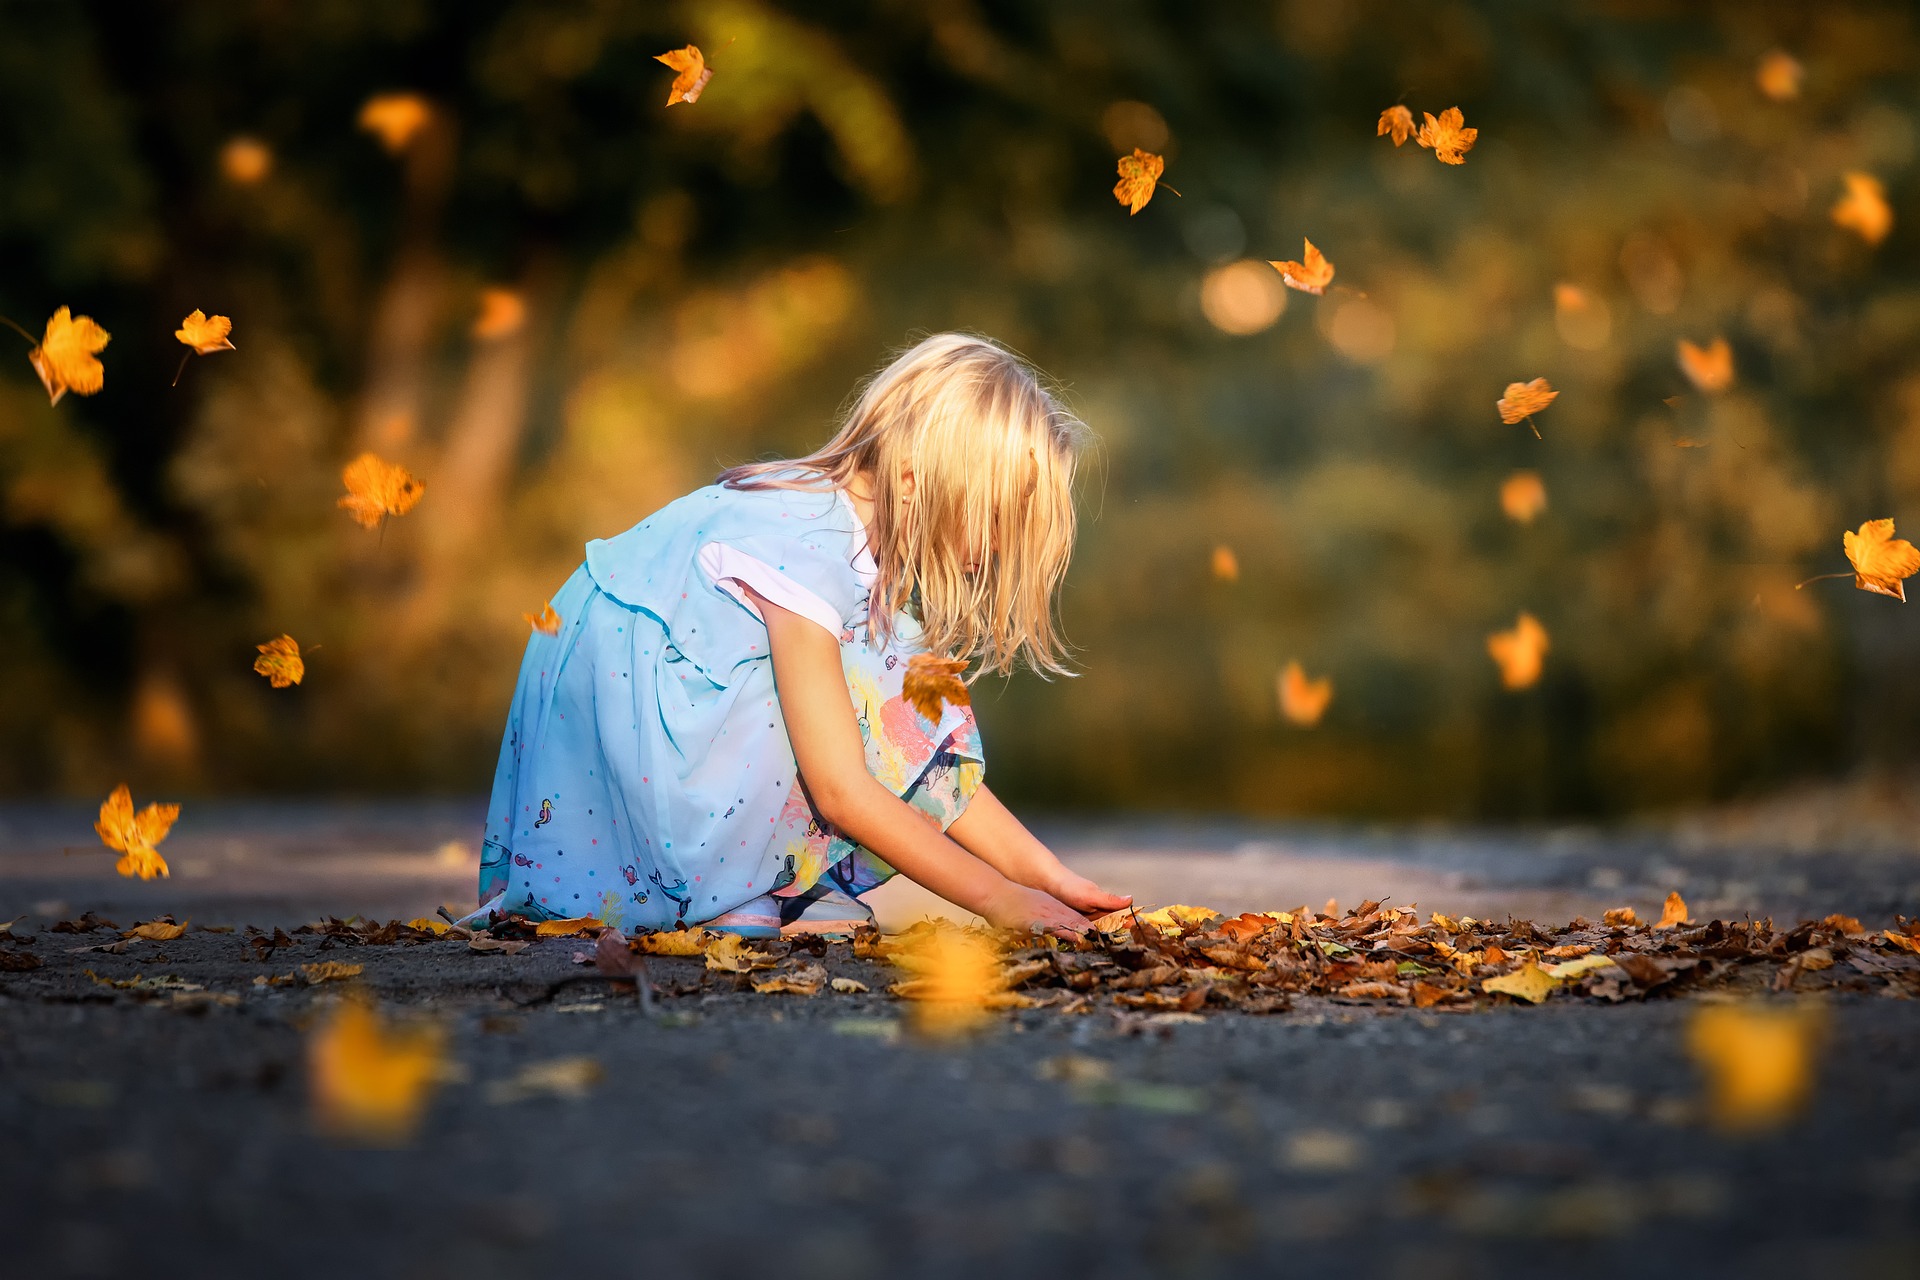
(1758,1062)
(1519,652)
(377,489)
(1395,122)
(1863,208)
(66,357)
(931,681)
(369,1082)
(1303,701)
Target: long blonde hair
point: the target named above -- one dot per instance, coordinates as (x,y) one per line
(992,453)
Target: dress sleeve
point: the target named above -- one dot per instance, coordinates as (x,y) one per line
(731,569)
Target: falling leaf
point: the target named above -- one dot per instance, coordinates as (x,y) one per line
(1709,368)
(1310,275)
(677,942)
(135,836)
(65,358)
(1521,400)
(1519,653)
(958,976)
(1674,913)
(546,622)
(205,334)
(245,160)
(1303,701)
(1758,1062)
(502,312)
(692,73)
(1582,317)
(280,662)
(395,118)
(931,681)
(1864,210)
(1139,173)
(329,971)
(1446,137)
(370,1083)
(1779,74)
(162,930)
(729,953)
(1880,560)
(1226,565)
(1395,122)
(1529,982)
(577,926)
(1523,496)
(804,981)
(377,489)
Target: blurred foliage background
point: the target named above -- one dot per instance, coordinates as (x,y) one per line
(704,284)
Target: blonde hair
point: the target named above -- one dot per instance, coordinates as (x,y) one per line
(992,454)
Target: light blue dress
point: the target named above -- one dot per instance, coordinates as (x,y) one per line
(645,775)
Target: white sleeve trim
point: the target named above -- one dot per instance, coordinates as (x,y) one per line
(732,570)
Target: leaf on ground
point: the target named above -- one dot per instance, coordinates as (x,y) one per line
(66,359)
(691,73)
(546,622)
(1395,122)
(804,981)
(329,971)
(1447,136)
(371,1082)
(1758,1062)
(1529,982)
(1171,919)
(428,924)
(1139,175)
(205,334)
(377,489)
(1880,560)
(1521,652)
(678,942)
(280,662)
(729,953)
(1303,701)
(1709,368)
(1674,913)
(575,927)
(1580,967)
(848,986)
(135,836)
(1312,274)
(931,681)
(1621,917)
(161,930)
(483,944)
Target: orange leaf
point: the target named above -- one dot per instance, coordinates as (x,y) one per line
(1879,559)
(1709,368)
(1446,137)
(1864,210)
(573,927)
(1758,1062)
(1524,399)
(931,681)
(395,118)
(1310,275)
(162,930)
(1396,122)
(280,662)
(1523,496)
(1226,565)
(1674,913)
(1139,173)
(693,75)
(1779,74)
(371,1083)
(205,334)
(377,489)
(1303,701)
(1519,653)
(135,835)
(547,622)
(65,357)
(502,312)
(245,160)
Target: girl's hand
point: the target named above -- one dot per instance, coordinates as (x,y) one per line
(1083,894)
(1020,908)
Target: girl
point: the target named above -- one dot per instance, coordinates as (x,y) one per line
(717,734)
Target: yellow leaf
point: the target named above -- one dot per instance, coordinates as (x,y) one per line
(135,836)
(1172,918)
(1312,274)
(1226,565)
(280,662)
(369,1083)
(157,931)
(1779,74)
(205,334)
(577,926)
(1446,137)
(502,312)
(65,357)
(428,924)
(1523,496)
(1864,210)
(1303,701)
(1758,1062)
(330,971)
(395,118)
(1905,942)
(931,681)
(546,622)
(1529,982)
(1521,652)
(1879,559)
(1621,917)
(377,489)
(729,953)
(1674,913)
(1576,967)
(677,942)
(959,982)
(1709,368)
(245,160)
(693,73)
(1522,400)
(1395,122)
(1139,174)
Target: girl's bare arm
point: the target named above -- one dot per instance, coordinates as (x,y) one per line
(988,830)
(832,760)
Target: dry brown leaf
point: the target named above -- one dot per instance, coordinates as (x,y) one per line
(1880,560)
(1226,565)
(1139,175)
(804,981)
(691,73)
(1395,122)
(135,836)
(1709,368)
(1905,942)
(483,944)
(931,681)
(848,986)
(377,489)
(1779,74)
(1520,653)
(502,313)
(330,971)
(66,359)
(1303,701)
(1523,496)
(729,953)
(371,1083)
(1621,917)
(280,662)
(677,942)
(1863,209)
(1522,400)
(1447,137)
(1312,274)
(395,118)
(161,930)
(1758,1062)
(1674,913)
